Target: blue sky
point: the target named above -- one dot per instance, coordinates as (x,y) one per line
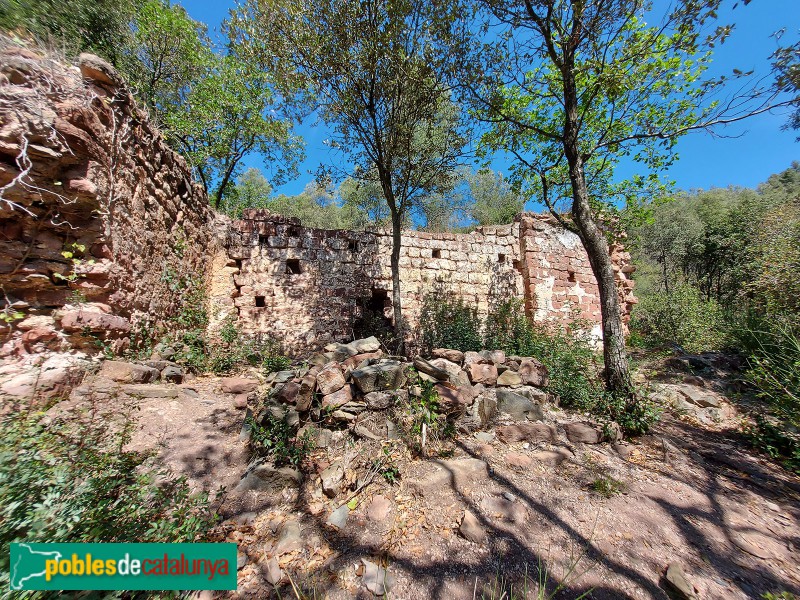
(743,154)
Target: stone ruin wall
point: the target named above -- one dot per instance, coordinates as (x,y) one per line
(81,164)
(308,287)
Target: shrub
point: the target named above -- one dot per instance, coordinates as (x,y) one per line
(680,317)
(572,364)
(276,438)
(772,351)
(72,481)
(567,354)
(446,321)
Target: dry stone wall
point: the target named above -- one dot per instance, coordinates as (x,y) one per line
(101,226)
(309,287)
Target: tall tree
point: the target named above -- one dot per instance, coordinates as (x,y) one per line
(571,87)
(370,67)
(214,108)
(492,199)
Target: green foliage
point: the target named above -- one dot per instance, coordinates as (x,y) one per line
(98,26)
(237,350)
(680,317)
(780,596)
(772,351)
(275,438)
(71,480)
(386,467)
(572,366)
(423,420)
(446,321)
(607,486)
(567,354)
(776,441)
(493,201)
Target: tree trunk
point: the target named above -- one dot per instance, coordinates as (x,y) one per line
(397,222)
(617,372)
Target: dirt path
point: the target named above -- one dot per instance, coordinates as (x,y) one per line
(684,494)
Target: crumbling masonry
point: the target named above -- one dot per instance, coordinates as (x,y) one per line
(309,287)
(103,231)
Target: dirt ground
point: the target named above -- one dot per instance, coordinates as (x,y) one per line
(602,520)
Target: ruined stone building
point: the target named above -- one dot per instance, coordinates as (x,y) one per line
(103,230)
(309,287)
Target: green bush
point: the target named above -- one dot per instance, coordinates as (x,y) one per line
(275,438)
(680,317)
(567,354)
(772,351)
(72,481)
(446,321)
(572,364)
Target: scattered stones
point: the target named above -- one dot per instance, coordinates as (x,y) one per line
(273,574)
(288,393)
(551,458)
(451,400)
(471,528)
(533,372)
(497,357)
(518,406)
(423,366)
(385,375)
(486,437)
(581,432)
(455,356)
(338,518)
(150,391)
(509,378)
(289,539)
(526,432)
(172,374)
(379,509)
(125,372)
(238,385)
(676,581)
(519,460)
(378,400)
(332,479)
(330,379)
(376,579)
(506,508)
(266,477)
(305,395)
(482,373)
(338,398)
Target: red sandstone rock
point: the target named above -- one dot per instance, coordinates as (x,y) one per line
(307,386)
(519,460)
(583,432)
(455,356)
(330,379)
(81,320)
(525,432)
(126,372)
(451,400)
(288,393)
(238,385)
(533,372)
(355,361)
(338,398)
(482,373)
